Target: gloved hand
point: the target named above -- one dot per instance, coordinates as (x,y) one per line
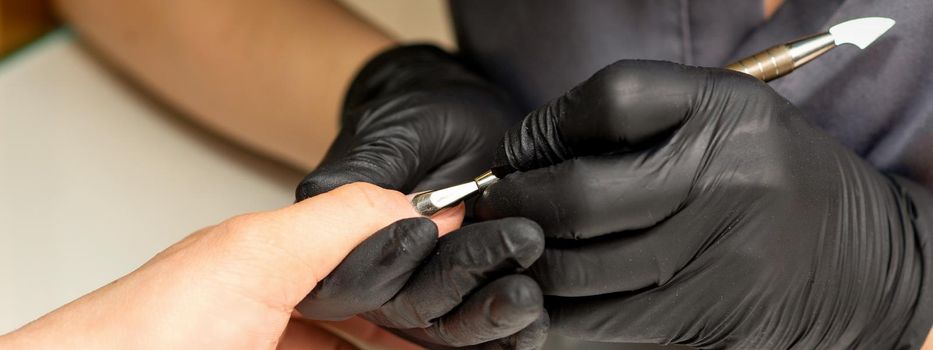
(695,206)
(463,292)
(415,119)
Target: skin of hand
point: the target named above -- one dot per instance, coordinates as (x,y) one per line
(269,74)
(928,345)
(235,285)
(415,118)
(771,6)
(696,206)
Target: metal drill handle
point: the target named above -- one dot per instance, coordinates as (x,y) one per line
(767,65)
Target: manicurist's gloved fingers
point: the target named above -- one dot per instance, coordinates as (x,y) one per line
(637,319)
(583,268)
(404,149)
(531,337)
(596,195)
(660,314)
(413,119)
(387,162)
(501,308)
(373,272)
(619,108)
(465,260)
(623,262)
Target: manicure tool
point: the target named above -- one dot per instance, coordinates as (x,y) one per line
(766,65)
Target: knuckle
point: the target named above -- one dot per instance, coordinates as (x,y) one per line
(611,83)
(246,229)
(363,193)
(526,239)
(737,80)
(746,86)
(243,223)
(413,233)
(368,198)
(634,100)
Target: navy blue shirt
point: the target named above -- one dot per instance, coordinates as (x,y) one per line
(878,102)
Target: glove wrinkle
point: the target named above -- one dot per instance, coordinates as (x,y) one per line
(518,307)
(462,261)
(414,118)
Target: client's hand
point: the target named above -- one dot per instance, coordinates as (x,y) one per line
(696,206)
(235,285)
(416,119)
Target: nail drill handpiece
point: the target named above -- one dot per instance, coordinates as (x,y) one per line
(782,59)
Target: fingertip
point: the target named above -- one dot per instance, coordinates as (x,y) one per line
(510,304)
(519,301)
(520,239)
(534,336)
(498,310)
(497,200)
(449,219)
(531,236)
(420,230)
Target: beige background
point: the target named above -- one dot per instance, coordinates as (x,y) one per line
(409,20)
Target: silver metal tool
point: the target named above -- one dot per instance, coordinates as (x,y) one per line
(782,59)
(767,65)
(429,203)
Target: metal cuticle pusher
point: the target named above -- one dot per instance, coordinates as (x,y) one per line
(429,203)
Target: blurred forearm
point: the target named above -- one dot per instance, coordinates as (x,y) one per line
(928,345)
(270,74)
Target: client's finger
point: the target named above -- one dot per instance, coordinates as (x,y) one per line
(304,334)
(304,242)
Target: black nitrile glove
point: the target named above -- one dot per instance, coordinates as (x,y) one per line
(463,292)
(415,119)
(695,206)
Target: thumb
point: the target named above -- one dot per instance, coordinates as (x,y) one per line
(388,159)
(621,107)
